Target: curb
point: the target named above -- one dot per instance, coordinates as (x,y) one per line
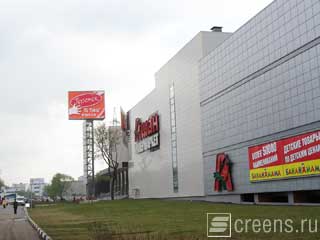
(41,233)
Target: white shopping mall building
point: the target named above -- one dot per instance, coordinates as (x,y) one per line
(235,117)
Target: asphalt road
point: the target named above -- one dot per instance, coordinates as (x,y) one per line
(15,227)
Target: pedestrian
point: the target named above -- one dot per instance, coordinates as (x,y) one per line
(4,202)
(15,206)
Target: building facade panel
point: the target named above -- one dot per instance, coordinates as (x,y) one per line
(279,29)
(262,84)
(238,153)
(152,173)
(147,168)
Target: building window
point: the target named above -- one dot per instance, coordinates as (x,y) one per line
(174,140)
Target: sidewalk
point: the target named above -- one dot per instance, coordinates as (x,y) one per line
(15,227)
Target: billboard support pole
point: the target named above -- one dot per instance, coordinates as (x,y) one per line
(87,106)
(88,152)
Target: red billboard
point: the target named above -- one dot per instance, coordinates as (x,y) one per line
(86,105)
(290,157)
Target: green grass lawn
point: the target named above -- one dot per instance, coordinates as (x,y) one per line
(176,219)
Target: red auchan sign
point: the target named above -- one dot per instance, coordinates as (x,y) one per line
(290,157)
(85,105)
(146,134)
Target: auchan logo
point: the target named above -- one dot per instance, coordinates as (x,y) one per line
(146,128)
(86,100)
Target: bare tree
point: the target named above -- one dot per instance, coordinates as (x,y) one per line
(107,140)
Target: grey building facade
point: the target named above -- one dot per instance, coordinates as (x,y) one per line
(262,84)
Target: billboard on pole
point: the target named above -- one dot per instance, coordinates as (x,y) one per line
(86,105)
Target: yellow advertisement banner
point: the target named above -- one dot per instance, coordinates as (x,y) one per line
(306,168)
(268,173)
(298,169)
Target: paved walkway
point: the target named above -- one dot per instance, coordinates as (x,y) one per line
(15,227)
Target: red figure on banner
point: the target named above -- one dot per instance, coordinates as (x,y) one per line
(222,176)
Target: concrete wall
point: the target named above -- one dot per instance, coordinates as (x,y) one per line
(262,84)
(151,172)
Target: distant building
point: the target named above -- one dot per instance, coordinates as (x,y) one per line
(37,186)
(20,187)
(82,179)
(75,189)
(9,190)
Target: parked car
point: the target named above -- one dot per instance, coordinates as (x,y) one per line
(21,201)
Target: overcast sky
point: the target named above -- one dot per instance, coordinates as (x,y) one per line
(50,47)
